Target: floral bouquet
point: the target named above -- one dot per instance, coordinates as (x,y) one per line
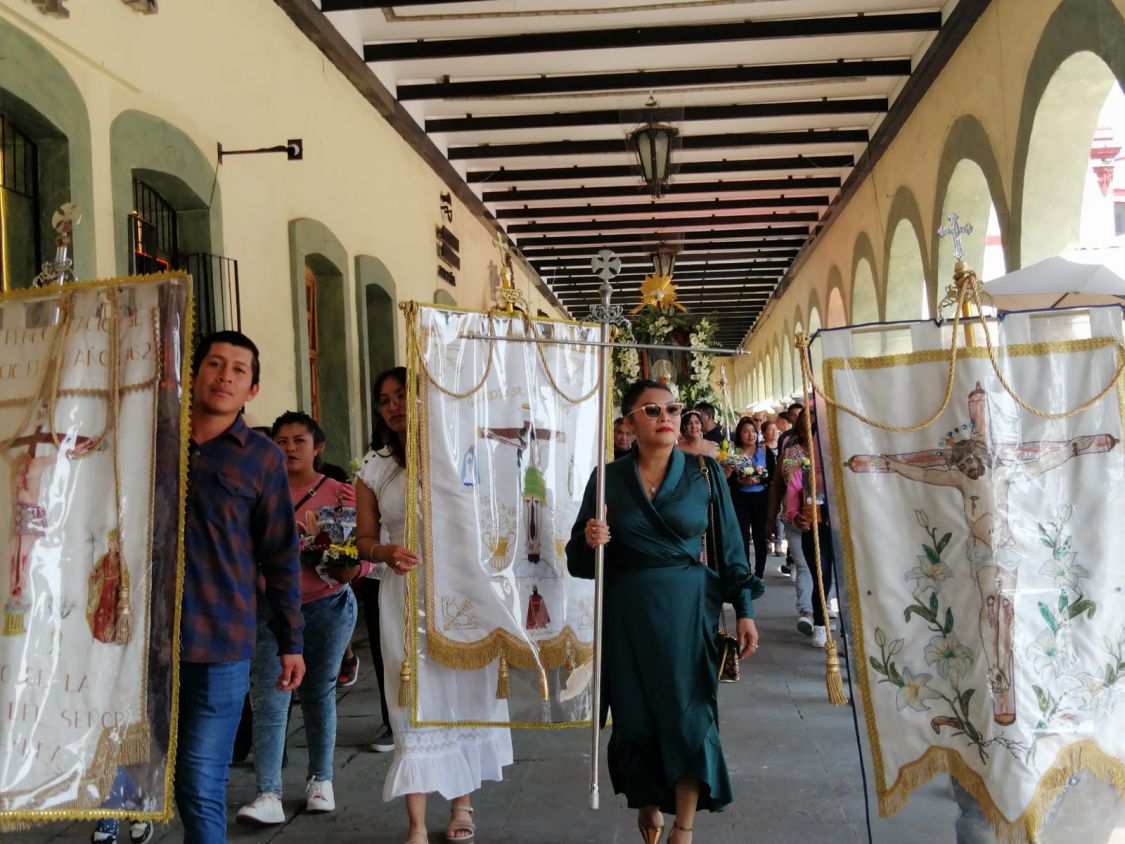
(810,506)
(328,542)
(744,470)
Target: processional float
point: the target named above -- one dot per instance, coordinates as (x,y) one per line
(981,554)
(92,412)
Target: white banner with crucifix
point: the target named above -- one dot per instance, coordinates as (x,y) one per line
(89,416)
(982,555)
(507,438)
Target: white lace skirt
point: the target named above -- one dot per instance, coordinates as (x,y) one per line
(452,760)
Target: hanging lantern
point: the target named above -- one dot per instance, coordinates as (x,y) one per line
(664,260)
(653,144)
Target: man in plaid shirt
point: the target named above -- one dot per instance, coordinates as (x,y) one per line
(239,524)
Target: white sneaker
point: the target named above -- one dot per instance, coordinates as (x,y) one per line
(804,624)
(318,797)
(264,811)
(819,637)
(833,609)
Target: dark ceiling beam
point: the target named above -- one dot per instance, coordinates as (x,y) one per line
(666,223)
(586,253)
(599,241)
(611,117)
(783,185)
(650,36)
(316,26)
(687,168)
(710,206)
(683,268)
(643,80)
(354,5)
(606,146)
(762,282)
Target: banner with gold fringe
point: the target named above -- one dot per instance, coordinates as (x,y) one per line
(981,555)
(90,415)
(506,436)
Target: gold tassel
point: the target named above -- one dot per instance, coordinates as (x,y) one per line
(124,630)
(13,624)
(405,678)
(544,690)
(503,680)
(832,677)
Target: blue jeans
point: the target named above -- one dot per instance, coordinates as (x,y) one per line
(329,623)
(211,696)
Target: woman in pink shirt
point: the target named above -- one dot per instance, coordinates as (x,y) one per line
(329,610)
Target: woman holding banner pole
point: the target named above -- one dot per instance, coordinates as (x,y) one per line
(450,761)
(660,654)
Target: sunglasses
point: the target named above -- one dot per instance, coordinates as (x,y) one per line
(653,411)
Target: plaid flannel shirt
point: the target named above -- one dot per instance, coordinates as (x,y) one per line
(239,522)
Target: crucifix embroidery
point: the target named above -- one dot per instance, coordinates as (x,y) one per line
(29,468)
(983,472)
(534,492)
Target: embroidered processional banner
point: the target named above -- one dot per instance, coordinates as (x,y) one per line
(507,439)
(983,559)
(90,416)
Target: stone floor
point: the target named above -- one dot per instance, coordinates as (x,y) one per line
(793,759)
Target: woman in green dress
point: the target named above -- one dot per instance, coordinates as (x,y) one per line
(660,652)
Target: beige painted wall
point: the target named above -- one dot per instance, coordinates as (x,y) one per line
(986,78)
(241,73)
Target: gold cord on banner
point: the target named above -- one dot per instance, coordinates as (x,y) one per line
(832,679)
(966,290)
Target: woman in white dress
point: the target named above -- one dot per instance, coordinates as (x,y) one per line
(453,761)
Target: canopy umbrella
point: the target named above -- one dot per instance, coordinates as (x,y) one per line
(1084,277)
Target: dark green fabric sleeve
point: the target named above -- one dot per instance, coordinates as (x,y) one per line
(579,555)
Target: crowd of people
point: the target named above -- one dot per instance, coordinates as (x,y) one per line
(263,622)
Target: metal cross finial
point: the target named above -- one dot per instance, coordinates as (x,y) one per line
(606,265)
(955,229)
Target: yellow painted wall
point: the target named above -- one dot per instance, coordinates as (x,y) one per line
(242,74)
(985,78)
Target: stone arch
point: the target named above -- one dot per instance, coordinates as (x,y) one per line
(814,322)
(312,245)
(377,328)
(970,185)
(775,371)
(785,345)
(866,304)
(836,313)
(151,149)
(1076,26)
(906,285)
(42,97)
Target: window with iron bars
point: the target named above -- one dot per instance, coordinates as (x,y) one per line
(20,253)
(154,248)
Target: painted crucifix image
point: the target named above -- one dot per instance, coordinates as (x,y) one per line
(29,467)
(529,464)
(983,472)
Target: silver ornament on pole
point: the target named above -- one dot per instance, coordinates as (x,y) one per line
(60,270)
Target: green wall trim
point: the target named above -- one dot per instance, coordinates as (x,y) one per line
(311,242)
(371,272)
(904,206)
(39,80)
(171,163)
(1075,26)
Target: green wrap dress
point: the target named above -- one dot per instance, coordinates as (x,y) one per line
(660,659)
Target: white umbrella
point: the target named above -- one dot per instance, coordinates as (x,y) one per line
(1085,277)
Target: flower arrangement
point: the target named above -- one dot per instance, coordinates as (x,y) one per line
(327,540)
(662,326)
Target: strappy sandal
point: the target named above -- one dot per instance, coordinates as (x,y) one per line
(676,827)
(460,826)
